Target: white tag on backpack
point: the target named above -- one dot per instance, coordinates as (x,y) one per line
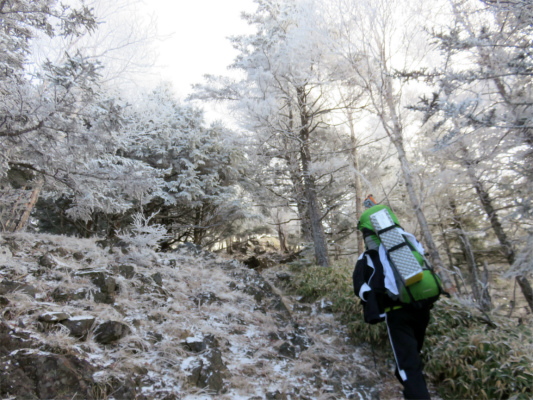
(383,219)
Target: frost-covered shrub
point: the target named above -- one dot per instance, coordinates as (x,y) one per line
(143,238)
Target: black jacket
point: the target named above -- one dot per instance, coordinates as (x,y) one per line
(369,286)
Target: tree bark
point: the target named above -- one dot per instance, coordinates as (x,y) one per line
(486,202)
(30,204)
(357,183)
(282,239)
(395,133)
(197,230)
(469,256)
(319,238)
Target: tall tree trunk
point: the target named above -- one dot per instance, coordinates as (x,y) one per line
(357,183)
(301,204)
(28,208)
(392,125)
(486,202)
(319,238)
(296,176)
(468,254)
(448,250)
(282,239)
(197,230)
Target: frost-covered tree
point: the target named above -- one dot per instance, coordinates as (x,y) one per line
(59,131)
(379,38)
(202,165)
(482,112)
(122,44)
(285,99)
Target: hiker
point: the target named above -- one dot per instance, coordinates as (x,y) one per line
(397,301)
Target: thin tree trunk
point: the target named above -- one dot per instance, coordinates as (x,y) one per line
(486,202)
(395,133)
(472,266)
(197,231)
(468,254)
(357,183)
(282,239)
(296,176)
(448,250)
(319,238)
(421,218)
(486,300)
(30,204)
(11,220)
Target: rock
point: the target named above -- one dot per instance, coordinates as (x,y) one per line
(157,278)
(33,374)
(60,251)
(277,395)
(198,345)
(287,350)
(209,371)
(110,331)
(78,256)
(300,340)
(11,286)
(100,278)
(105,283)
(61,295)
(39,375)
(205,299)
(11,340)
(3,301)
(283,276)
(47,261)
(79,327)
(53,317)
(127,271)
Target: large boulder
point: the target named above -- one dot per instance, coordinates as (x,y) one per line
(30,374)
(27,373)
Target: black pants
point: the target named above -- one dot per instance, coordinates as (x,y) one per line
(407,328)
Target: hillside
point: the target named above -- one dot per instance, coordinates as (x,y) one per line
(82,322)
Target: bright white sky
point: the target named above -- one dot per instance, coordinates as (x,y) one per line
(198,43)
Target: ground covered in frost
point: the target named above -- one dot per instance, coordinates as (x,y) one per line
(133,323)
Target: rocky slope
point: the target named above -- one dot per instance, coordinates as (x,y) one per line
(82,322)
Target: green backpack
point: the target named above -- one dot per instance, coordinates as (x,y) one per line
(414,277)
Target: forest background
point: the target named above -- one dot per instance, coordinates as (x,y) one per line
(426,106)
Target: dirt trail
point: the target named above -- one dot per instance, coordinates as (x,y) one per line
(373,370)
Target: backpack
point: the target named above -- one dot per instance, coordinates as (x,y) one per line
(414,277)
